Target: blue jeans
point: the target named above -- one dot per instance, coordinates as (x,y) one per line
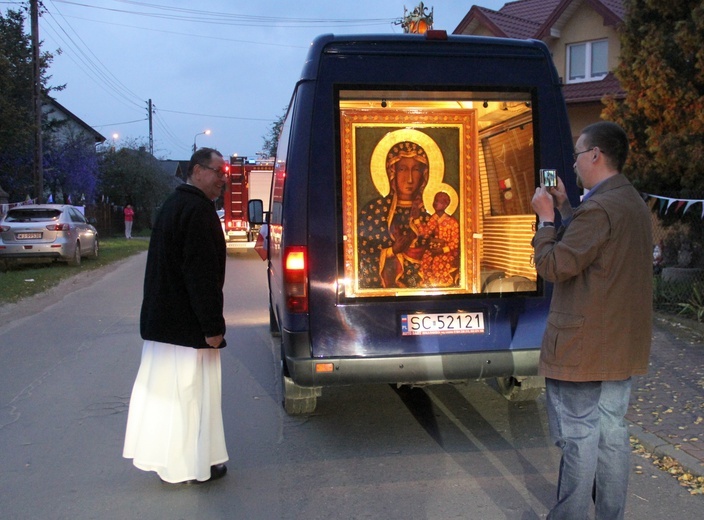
(587,423)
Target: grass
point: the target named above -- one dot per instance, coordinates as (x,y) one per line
(22,281)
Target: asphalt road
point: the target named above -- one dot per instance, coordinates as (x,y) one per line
(67,363)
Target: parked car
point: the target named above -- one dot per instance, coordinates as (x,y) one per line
(38,233)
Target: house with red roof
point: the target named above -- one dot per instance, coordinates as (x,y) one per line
(582,36)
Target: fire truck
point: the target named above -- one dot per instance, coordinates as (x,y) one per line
(249,179)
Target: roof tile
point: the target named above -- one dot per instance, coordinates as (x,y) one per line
(592,90)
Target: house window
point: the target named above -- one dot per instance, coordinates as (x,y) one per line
(587,61)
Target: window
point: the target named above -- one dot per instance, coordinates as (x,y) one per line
(471,182)
(587,61)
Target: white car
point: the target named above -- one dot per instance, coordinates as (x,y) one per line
(39,233)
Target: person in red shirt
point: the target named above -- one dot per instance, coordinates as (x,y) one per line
(129,217)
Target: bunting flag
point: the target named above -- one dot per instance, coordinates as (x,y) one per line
(665,204)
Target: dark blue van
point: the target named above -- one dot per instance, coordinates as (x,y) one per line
(400,224)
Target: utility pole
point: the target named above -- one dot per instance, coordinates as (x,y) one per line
(151,134)
(37,98)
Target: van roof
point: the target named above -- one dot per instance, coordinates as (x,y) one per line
(402,44)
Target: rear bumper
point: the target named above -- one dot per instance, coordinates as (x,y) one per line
(415,369)
(236,236)
(239,245)
(33,251)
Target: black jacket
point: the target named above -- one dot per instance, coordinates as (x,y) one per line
(183,299)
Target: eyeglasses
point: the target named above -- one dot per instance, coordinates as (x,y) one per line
(220,173)
(577,154)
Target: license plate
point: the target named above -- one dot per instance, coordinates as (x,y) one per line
(445,323)
(28,236)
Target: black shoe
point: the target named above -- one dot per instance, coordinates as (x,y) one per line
(217,471)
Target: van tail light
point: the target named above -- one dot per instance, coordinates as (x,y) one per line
(59,227)
(296,278)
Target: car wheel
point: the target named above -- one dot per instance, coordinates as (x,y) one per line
(94,253)
(75,260)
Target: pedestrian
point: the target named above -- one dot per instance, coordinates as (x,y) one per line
(175,425)
(599,326)
(129,217)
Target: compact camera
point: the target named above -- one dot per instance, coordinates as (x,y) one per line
(548,178)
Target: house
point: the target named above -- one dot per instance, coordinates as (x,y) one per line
(68,125)
(173,168)
(65,128)
(582,36)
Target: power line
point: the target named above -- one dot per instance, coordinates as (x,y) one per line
(189,35)
(217,116)
(167,132)
(99,73)
(122,123)
(223,18)
(92,66)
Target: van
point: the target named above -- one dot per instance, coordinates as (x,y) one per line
(400,223)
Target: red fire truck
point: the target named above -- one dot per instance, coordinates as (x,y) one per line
(249,179)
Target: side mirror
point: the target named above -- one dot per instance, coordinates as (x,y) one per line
(255,210)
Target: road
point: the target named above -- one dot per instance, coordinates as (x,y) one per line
(67,363)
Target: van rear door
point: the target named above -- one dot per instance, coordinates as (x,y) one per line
(486,117)
(401,195)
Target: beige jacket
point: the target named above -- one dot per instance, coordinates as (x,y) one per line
(600,321)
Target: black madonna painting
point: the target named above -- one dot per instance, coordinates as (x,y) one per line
(409,184)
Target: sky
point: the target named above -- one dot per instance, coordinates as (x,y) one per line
(227,66)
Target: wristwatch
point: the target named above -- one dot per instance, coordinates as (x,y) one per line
(546,224)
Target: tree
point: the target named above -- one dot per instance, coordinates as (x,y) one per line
(71,166)
(16,106)
(132,175)
(271,140)
(662,71)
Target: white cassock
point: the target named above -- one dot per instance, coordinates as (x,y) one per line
(174,425)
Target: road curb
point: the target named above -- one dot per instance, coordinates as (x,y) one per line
(661,448)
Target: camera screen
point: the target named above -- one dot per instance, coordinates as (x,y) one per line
(548,178)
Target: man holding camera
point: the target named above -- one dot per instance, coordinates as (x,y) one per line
(599,326)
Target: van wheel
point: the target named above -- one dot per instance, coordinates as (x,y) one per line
(522,388)
(75,260)
(297,400)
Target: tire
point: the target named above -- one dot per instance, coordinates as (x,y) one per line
(296,399)
(96,247)
(75,260)
(525,389)
(293,403)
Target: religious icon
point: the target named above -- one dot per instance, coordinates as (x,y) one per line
(408,192)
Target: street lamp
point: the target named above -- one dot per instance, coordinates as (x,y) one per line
(206,132)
